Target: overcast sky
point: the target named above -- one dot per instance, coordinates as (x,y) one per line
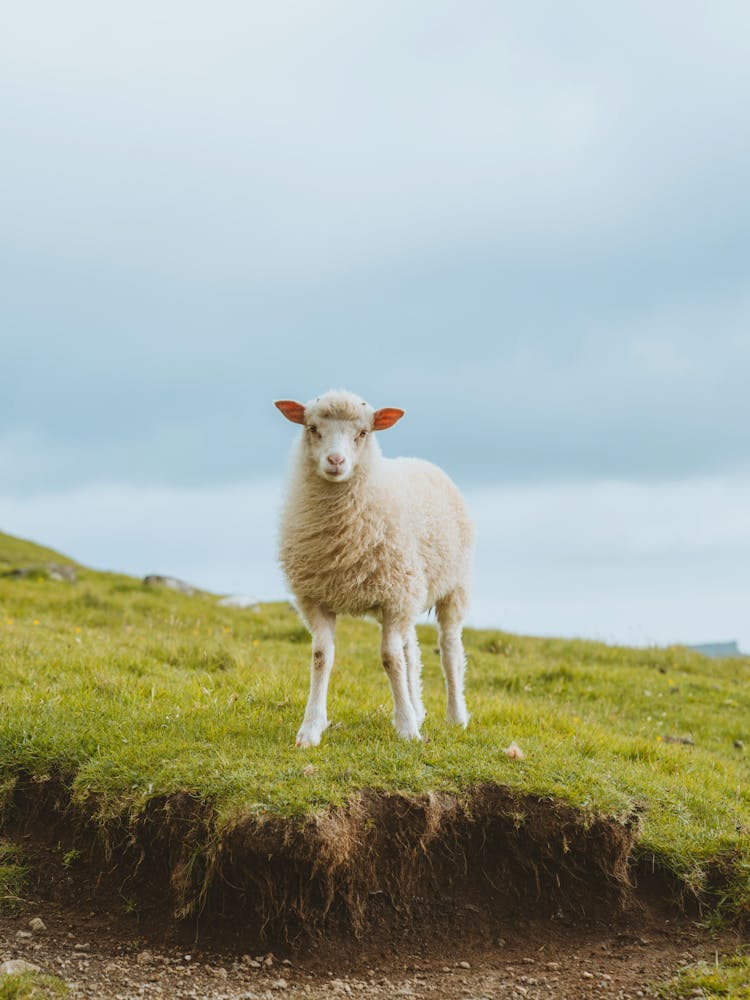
(527,224)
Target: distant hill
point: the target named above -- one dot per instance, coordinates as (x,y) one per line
(720,650)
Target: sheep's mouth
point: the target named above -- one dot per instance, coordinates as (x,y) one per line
(336,474)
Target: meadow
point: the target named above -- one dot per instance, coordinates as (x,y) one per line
(128,698)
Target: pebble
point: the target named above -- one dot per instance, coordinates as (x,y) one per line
(464,965)
(588,975)
(252,962)
(23,935)
(279,984)
(83,946)
(37,924)
(17,966)
(144,958)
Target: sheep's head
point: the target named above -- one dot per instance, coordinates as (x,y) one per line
(338,427)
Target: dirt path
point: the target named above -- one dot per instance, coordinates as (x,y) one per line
(107,958)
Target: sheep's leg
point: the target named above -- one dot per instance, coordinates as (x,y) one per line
(394,663)
(452,659)
(322,624)
(414,673)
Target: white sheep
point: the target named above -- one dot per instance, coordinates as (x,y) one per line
(366,535)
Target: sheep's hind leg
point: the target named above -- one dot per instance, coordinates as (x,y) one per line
(394,663)
(414,673)
(322,624)
(452,659)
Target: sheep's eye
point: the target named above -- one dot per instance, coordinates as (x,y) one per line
(362,435)
(313,429)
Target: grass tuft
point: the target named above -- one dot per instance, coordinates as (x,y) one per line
(32,986)
(13,874)
(727,977)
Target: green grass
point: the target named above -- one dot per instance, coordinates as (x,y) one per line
(12,876)
(729,978)
(127,692)
(31,986)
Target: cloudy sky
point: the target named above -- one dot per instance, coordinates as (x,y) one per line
(527,224)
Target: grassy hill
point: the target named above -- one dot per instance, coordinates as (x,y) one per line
(138,702)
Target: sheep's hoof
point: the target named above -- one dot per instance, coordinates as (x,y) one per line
(408,730)
(458,717)
(310,733)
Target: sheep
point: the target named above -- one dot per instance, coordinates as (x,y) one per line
(366,535)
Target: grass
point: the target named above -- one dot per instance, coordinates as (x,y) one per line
(12,876)
(31,986)
(127,692)
(728,977)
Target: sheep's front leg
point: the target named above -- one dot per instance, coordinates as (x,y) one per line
(414,673)
(322,624)
(394,663)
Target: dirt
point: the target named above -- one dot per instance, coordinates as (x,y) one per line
(505,895)
(105,955)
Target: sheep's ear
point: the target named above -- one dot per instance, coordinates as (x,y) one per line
(291,410)
(386,418)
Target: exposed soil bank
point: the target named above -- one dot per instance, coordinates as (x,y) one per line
(435,895)
(382,859)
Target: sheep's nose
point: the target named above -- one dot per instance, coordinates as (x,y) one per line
(335,459)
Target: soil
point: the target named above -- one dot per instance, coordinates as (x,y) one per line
(106,955)
(504,896)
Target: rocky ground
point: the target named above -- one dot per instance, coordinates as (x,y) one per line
(623,960)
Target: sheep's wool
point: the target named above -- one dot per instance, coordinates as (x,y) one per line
(396,537)
(363,534)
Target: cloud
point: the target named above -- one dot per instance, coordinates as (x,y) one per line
(525,224)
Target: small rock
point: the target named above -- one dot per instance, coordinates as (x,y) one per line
(588,975)
(739,745)
(239,601)
(464,965)
(37,924)
(23,935)
(17,966)
(171,582)
(553,965)
(279,984)
(286,961)
(84,946)
(268,960)
(252,962)
(144,958)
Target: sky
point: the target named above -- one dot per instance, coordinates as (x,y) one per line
(527,224)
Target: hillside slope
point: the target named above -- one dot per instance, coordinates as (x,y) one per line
(166,721)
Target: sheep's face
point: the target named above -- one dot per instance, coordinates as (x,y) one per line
(337,429)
